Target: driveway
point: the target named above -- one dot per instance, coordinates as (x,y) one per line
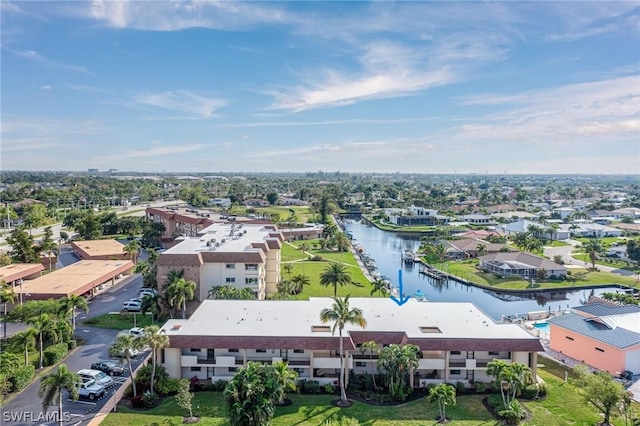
(25,409)
(565,252)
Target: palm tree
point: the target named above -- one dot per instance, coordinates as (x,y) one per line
(342,314)
(179,292)
(444,394)
(379,286)
(173,276)
(43,324)
(24,341)
(286,379)
(372,347)
(304,248)
(156,339)
(52,385)
(334,275)
(553,230)
(68,307)
(7,295)
(299,282)
(482,249)
(126,344)
(288,268)
(593,248)
(132,249)
(151,303)
(48,245)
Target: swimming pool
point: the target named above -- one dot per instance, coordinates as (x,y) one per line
(542,326)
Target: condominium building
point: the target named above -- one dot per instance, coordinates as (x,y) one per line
(456,340)
(240,255)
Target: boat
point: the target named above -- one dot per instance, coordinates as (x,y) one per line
(408,256)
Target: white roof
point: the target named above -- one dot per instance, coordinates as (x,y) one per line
(231,238)
(629,321)
(295,318)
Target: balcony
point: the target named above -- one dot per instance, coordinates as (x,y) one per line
(431,364)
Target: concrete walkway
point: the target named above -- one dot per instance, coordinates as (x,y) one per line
(565,252)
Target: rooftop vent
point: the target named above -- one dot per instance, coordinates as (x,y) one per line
(320,329)
(430,330)
(176,327)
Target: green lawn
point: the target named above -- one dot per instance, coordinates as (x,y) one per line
(562,406)
(120,321)
(604,240)
(467,270)
(619,264)
(313,270)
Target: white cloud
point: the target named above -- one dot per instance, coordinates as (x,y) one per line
(195,105)
(593,109)
(47,87)
(163,150)
(36,57)
(86,88)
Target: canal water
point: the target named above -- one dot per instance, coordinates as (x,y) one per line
(387,249)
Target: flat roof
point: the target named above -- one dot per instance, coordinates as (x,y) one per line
(300,319)
(77,279)
(99,247)
(17,271)
(225,238)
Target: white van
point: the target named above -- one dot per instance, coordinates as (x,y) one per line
(100,378)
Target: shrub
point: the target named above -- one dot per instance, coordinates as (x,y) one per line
(514,413)
(460,387)
(481,387)
(136,401)
(311,386)
(494,401)
(342,421)
(21,377)
(317,258)
(531,392)
(398,392)
(150,399)
(220,385)
(34,308)
(55,353)
(168,386)
(329,388)
(72,344)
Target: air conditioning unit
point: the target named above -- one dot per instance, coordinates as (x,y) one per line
(208,243)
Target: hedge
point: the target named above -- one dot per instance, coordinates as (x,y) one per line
(55,353)
(21,377)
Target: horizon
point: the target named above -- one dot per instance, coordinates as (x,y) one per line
(434,88)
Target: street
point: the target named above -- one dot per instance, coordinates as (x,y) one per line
(95,347)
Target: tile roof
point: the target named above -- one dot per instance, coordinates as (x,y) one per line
(617,337)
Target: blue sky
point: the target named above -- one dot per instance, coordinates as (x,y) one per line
(427,87)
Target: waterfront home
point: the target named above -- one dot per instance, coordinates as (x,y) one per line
(413,216)
(456,340)
(470,247)
(525,265)
(594,230)
(600,335)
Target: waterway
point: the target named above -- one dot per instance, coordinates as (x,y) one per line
(387,249)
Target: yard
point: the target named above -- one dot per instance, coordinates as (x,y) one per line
(562,406)
(120,321)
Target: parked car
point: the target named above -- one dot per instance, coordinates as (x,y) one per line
(137,300)
(130,306)
(135,331)
(90,389)
(145,290)
(120,354)
(111,368)
(100,378)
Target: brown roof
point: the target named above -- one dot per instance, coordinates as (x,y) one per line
(257,256)
(472,244)
(177,259)
(17,271)
(380,337)
(260,342)
(91,248)
(526,258)
(506,345)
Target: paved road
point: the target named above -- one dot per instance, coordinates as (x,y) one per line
(565,252)
(97,341)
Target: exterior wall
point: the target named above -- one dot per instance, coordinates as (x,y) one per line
(172,361)
(218,274)
(272,270)
(632,360)
(606,358)
(190,273)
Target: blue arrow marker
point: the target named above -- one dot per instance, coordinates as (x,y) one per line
(401,300)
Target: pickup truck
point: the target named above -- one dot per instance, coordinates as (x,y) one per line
(90,389)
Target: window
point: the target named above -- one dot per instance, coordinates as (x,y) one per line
(455,352)
(493,353)
(568,338)
(251,267)
(320,328)
(230,266)
(233,350)
(162,356)
(261,351)
(455,372)
(599,349)
(298,351)
(233,369)
(361,364)
(230,280)
(194,349)
(196,368)
(250,281)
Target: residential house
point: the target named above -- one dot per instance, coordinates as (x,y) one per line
(414,216)
(456,340)
(178,222)
(619,252)
(526,265)
(594,230)
(631,212)
(600,335)
(478,219)
(469,248)
(524,225)
(563,212)
(220,202)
